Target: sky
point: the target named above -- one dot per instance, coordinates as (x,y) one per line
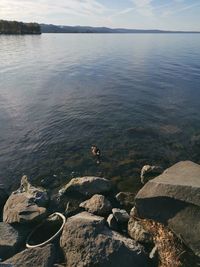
(134,14)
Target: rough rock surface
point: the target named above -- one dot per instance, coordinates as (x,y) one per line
(86,241)
(121,216)
(40,257)
(87,186)
(173,198)
(26,204)
(126,199)
(98,205)
(10,240)
(149,172)
(137,231)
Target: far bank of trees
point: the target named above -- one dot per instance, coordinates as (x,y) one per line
(15,27)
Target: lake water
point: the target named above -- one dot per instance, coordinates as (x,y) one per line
(135,96)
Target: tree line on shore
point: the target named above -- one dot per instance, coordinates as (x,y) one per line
(15,27)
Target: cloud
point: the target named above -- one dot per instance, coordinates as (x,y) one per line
(40,8)
(179,9)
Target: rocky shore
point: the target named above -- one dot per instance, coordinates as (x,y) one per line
(101,227)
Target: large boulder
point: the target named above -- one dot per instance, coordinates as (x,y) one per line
(86,241)
(40,257)
(98,205)
(11,239)
(87,186)
(173,198)
(26,204)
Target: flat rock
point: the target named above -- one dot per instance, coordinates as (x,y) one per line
(40,257)
(98,205)
(86,241)
(10,240)
(120,215)
(173,198)
(88,186)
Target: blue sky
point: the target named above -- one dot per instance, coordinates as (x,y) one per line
(140,14)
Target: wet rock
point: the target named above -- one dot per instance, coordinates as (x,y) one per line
(26,204)
(148,172)
(173,199)
(97,205)
(11,239)
(137,232)
(40,257)
(112,223)
(126,199)
(87,186)
(121,216)
(86,241)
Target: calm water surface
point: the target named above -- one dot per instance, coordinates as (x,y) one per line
(136,96)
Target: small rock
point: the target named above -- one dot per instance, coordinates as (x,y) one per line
(149,172)
(40,257)
(133,212)
(87,186)
(126,199)
(121,216)
(137,231)
(112,223)
(10,240)
(98,205)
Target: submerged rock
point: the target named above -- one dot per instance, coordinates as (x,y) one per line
(26,204)
(98,205)
(87,186)
(86,241)
(173,198)
(40,257)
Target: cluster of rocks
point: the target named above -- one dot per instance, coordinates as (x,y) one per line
(103,226)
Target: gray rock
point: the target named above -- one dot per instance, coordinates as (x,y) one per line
(173,198)
(137,232)
(121,216)
(148,172)
(40,257)
(86,241)
(126,199)
(112,223)
(10,240)
(87,186)
(98,205)
(26,204)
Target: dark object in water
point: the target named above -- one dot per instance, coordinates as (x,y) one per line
(96,152)
(47,231)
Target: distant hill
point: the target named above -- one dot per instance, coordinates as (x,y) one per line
(50,28)
(15,27)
